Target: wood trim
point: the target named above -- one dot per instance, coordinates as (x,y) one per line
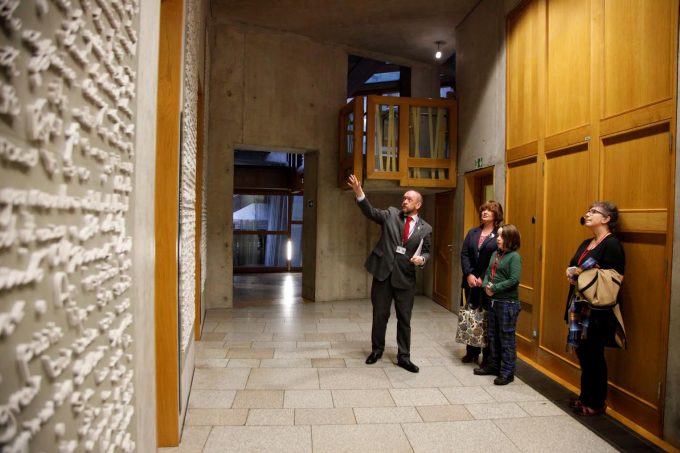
(198,209)
(644,117)
(643,221)
(423,162)
(522,152)
(166,221)
(567,139)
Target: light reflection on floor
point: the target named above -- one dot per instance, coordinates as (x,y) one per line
(281,288)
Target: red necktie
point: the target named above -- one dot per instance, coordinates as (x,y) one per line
(407,226)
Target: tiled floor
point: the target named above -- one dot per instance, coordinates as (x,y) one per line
(292,378)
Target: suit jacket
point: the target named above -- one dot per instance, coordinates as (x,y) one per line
(474,261)
(384,261)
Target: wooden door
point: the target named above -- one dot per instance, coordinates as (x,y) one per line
(443,237)
(637,173)
(521,208)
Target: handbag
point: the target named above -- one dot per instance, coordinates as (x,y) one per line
(472,324)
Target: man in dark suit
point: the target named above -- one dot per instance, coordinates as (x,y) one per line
(404,244)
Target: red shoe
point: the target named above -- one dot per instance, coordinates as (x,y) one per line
(586,411)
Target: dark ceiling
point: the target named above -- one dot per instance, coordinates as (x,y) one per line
(402,29)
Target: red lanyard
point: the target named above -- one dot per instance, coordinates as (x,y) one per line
(588,249)
(494,266)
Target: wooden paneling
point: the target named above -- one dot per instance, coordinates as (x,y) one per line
(167,212)
(639,64)
(566,199)
(600,112)
(568,65)
(524,27)
(636,169)
(443,238)
(645,262)
(520,204)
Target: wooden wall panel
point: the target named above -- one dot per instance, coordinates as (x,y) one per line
(566,199)
(643,316)
(568,65)
(167,213)
(591,96)
(639,41)
(522,76)
(521,207)
(636,169)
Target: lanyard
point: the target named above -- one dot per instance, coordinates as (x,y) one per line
(494,266)
(589,248)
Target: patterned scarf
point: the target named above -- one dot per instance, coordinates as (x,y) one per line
(579,318)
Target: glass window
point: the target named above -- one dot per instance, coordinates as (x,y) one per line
(297,208)
(260,212)
(384,77)
(296,236)
(260,250)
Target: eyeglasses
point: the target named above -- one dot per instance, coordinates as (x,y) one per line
(593,211)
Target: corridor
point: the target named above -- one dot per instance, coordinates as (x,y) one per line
(292,378)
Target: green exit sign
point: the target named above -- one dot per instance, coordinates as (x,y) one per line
(479,162)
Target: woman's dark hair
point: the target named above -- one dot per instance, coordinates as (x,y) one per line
(497,210)
(610,210)
(510,235)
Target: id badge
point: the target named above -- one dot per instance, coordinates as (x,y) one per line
(401,250)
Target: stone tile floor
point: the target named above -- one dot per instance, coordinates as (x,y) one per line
(292,378)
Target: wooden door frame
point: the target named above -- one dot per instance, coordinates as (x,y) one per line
(448,304)
(166,222)
(472,185)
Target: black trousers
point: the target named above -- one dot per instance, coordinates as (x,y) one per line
(593,372)
(382,294)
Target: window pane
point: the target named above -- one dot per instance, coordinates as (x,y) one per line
(297,208)
(296,233)
(260,212)
(386,138)
(428,133)
(260,250)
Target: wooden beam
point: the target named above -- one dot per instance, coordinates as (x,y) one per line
(167,206)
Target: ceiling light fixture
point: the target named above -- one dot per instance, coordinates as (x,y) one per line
(438,53)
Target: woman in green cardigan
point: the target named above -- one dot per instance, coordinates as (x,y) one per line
(501,284)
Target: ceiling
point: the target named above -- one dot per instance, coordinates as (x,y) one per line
(405,29)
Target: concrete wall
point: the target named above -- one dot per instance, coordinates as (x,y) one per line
(480,63)
(279,91)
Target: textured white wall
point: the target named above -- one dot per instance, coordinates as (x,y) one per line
(68,154)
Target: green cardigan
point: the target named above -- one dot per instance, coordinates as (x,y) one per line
(505,282)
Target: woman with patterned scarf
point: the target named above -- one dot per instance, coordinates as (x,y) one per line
(590,329)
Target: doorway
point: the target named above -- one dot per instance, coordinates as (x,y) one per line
(479,188)
(267,221)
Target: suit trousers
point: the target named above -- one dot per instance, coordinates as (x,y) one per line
(382,293)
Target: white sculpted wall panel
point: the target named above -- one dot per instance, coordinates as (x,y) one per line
(67,96)
(188,188)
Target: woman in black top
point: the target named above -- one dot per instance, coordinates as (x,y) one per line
(590,330)
(479,245)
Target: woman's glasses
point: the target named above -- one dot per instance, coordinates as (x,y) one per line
(593,211)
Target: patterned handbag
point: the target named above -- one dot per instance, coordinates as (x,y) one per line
(472,324)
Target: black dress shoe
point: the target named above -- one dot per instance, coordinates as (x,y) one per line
(408,366)
(501,380)
(486,371)
(373,357)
